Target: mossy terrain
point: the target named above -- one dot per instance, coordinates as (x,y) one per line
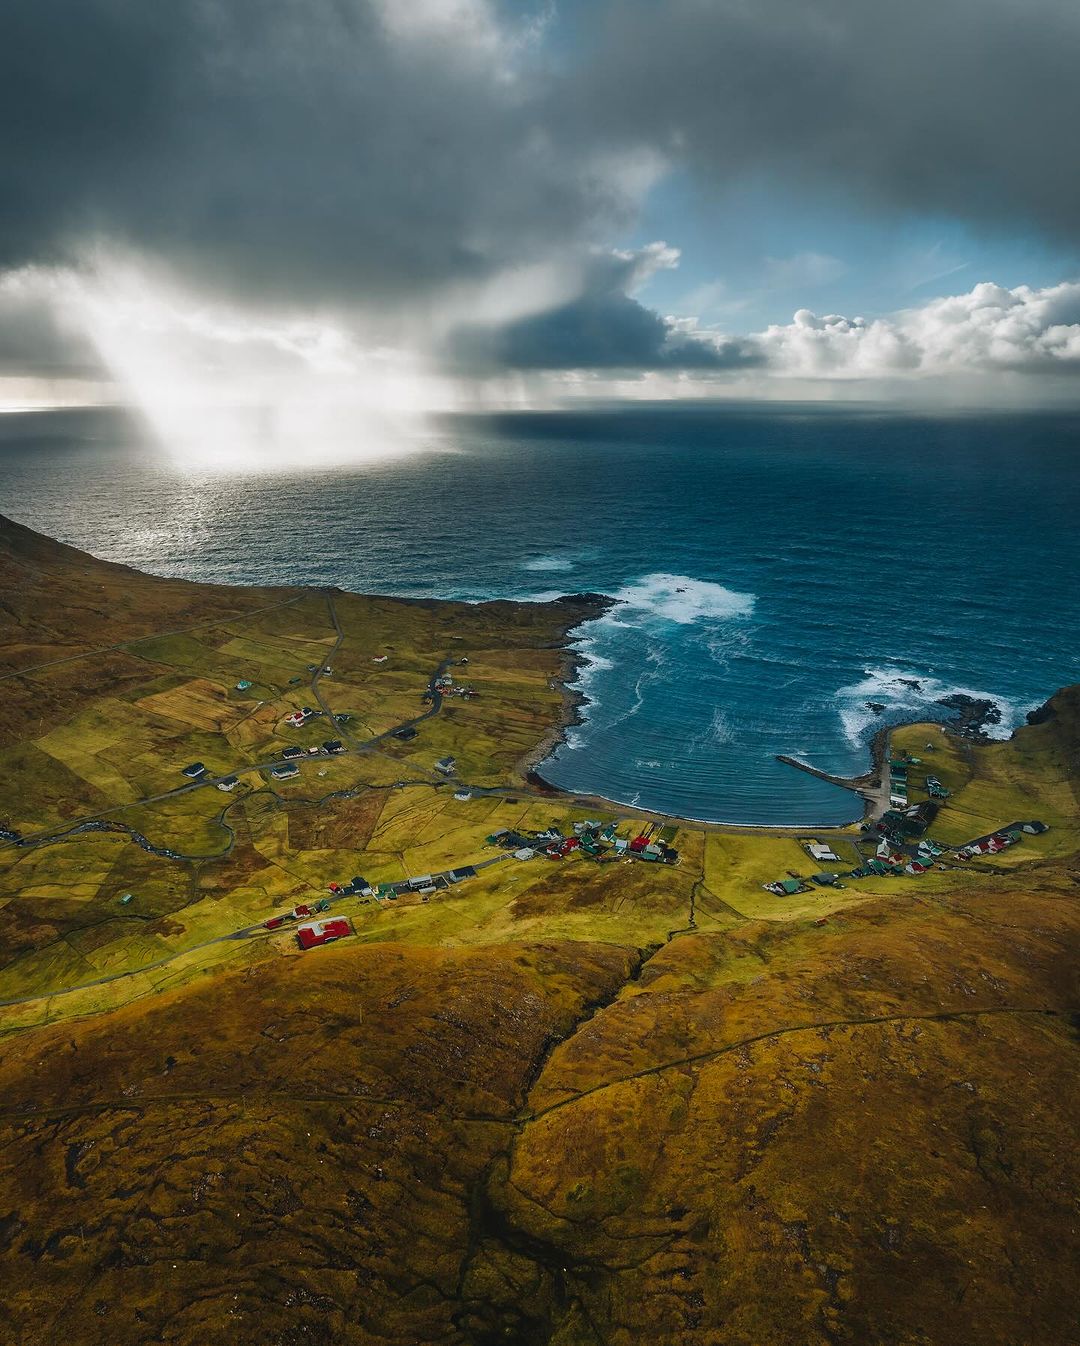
(562,1102)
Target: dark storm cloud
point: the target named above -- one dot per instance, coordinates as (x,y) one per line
(294,148)
(603,328)
(36,340)
(966,108)
(352,154)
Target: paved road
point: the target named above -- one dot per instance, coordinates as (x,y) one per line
(245,932)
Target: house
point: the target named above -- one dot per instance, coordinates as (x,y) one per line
(820,851)
(447,765)
(322,932)
(334,746)
(462,795)
(194,771)
(228,783)
(285,772)
(380,659)
(525,853)
(462,872)
(243,685)
(825,879)
(405,733)
(294,752)
(784,887)
(1034,828)
(420,882)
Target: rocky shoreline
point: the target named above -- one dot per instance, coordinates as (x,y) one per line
(970,719)
(972,715)
(573,700)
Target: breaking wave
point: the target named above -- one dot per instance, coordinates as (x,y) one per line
(681,599)
(904,695)
(553,561)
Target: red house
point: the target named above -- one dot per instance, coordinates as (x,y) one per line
(322,932)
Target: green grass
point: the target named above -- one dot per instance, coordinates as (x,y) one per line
(1030,776)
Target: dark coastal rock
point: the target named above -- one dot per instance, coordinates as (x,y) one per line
(1042,713)
(878,707)
(590,600)
(973,713)
(913,683)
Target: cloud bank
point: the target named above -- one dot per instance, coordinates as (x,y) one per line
(446,178)
(987,330)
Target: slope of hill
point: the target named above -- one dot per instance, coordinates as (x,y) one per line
(559,1103)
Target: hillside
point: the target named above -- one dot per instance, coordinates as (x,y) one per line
(558,1103)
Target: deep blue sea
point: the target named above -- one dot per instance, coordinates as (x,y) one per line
(779,568)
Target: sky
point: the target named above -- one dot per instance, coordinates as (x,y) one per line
(240,215)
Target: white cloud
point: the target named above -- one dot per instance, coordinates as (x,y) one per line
(985,330)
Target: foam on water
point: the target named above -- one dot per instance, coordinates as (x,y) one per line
(554,561)
(590,663)
(681,599)
(890,686)
(718,732)
(755,575)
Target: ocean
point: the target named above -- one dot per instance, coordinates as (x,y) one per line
(791,578)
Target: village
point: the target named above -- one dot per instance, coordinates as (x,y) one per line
(895,844)
(898,843)
(501,832)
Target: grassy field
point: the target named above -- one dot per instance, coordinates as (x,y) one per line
(561,1103)
(341,816)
